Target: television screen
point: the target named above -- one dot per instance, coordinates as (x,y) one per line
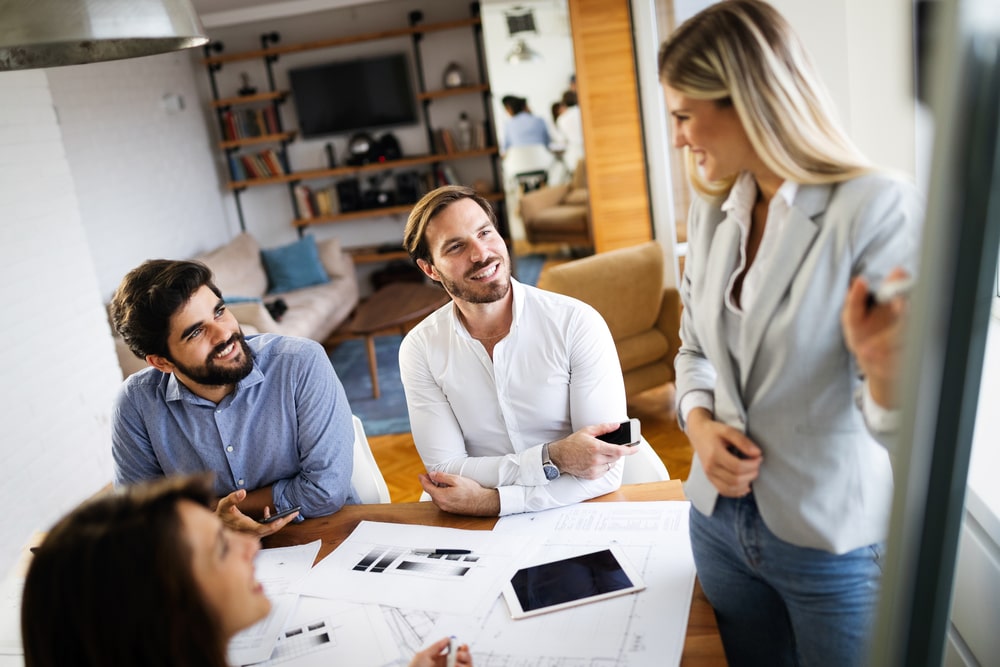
(353,95)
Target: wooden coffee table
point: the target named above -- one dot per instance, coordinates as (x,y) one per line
(394,308)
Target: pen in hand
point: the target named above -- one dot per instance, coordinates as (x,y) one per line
(452,652)
(889,290)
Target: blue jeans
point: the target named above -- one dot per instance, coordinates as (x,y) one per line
(780,604)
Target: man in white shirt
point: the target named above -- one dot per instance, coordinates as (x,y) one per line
(507,386)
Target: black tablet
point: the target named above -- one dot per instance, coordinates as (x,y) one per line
(568,582)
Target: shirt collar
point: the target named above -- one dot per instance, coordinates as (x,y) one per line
(744,192)
(177,391)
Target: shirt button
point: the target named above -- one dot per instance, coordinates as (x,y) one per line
(240,482)
(229,448)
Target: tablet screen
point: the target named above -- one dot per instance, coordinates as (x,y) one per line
(569,581)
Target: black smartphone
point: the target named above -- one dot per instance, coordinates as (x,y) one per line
(627,433)
(282,513)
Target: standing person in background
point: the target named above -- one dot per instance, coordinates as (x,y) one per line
(148,576)
(570,126)
(523,128)
(791,483)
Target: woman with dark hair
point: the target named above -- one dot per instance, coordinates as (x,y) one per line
(150,577)
(789,418)
(523,128)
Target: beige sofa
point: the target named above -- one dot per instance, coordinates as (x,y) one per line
(313,312)
(626,287)
(559,213)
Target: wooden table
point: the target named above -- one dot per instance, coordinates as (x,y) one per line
(392,309)
(702,646)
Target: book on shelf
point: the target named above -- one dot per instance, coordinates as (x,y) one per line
(257,165)
(249,123)
(311,203)
(445,175)
(327,201)
(304,202)
(444,141)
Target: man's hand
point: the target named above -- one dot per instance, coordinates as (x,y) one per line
(233,518)
(731,460)
(874,335)
(460,495)
(582,455)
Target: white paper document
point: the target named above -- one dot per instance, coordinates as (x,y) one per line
(418,567)
(277,570)
(340,634)
(643,629)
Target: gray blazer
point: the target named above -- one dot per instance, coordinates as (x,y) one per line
(826,482)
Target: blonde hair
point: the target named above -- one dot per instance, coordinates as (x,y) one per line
(432,203)
(744,53)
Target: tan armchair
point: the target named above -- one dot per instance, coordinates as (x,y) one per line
(559,213)
(626,287)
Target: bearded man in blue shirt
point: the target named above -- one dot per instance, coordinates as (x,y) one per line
(266,413)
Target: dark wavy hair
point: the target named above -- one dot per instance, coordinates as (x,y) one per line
(148,297)
(112,584)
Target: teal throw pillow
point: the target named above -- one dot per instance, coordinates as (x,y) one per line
(294,266)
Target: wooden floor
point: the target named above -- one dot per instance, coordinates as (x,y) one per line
(397,457)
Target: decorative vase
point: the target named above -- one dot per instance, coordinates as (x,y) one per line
(454,76)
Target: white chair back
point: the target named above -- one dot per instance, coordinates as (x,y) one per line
(644,466)
(366,478)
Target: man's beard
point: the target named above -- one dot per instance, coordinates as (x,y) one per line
(211,375)
(486,293)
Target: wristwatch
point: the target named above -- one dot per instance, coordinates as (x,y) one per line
(548,467)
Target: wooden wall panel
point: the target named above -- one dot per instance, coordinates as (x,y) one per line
(612,129)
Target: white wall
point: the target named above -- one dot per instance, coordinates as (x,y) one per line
(145,176)
(541,83)
(863,51)
(58,370)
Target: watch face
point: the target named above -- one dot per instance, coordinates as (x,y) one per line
(551,472)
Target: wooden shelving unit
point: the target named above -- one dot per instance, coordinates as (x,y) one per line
(270,52)
(354,170)
(371,212)
(251,141)
(274,95)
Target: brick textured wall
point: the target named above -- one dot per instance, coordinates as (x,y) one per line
(58,370)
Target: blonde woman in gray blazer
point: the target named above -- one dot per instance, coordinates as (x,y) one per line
(790,485)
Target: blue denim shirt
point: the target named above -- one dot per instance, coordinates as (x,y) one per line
(287,425)
(524,130)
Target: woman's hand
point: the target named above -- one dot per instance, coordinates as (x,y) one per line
(874,335)
(731,460)
(436,655)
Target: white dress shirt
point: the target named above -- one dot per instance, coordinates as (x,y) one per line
(554,373)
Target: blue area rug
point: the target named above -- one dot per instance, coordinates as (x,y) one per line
(387,414)
(528,268)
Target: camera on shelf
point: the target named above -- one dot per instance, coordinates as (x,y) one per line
(377,195)
(365,149)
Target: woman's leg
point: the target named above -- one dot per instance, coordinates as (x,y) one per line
(830,598)
(752,618)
